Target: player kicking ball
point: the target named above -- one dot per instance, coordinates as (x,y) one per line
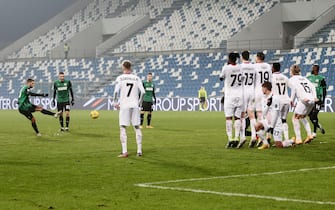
(130,89)
(271,122)
(26,108)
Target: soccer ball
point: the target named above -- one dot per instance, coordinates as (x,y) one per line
(94,114)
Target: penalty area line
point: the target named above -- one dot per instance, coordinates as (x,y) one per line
(155,185)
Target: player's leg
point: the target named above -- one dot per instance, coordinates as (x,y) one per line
(229,112)
(296,127)
(46,112)
(67,115)
(149,116)
(237,125)
(308,109)
(242,131)
(29,116)
(60,108)
(124,121)
(142,117)
(135,121)
(259,127)
(284,112)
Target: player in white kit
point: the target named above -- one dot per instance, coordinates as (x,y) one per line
(271,122)
(249,77)
(280,88)
(232,76)
(130,89)
(305,92)
(263,74)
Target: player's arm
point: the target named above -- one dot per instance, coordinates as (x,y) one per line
(71,92)
(292,92)
(142,92)
(115,95)
(55,89)
(154,95)
(222,74)
(324,90)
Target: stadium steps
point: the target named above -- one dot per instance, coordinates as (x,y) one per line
(322,34)
(167,12)
(122,8)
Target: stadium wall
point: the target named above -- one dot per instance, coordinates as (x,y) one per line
(162,104)
(44,28)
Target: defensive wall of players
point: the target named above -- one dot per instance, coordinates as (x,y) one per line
(162,104)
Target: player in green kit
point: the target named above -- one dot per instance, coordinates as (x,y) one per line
(321,89)
(63,89)
(26,108)
(148,100)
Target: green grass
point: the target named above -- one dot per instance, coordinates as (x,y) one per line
(80,169)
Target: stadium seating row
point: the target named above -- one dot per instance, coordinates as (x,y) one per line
(198,25)
(174,75)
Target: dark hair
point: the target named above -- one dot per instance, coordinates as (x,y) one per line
(276,67)
(30,80)
(150,73)
(126,64)
(267,85)
(246,55)
(232,57)
(61,73)
(317,67)
(261,56)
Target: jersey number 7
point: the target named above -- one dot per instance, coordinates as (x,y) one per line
(131,87)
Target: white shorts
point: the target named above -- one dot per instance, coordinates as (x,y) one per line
(248,102)
(258,102)
(284,109)
(233,107)
(130,115)
(303,108)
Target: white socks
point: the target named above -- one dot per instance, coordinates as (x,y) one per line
(253,130)
(138,133)
(285,131)
(296,126)
(237,126)
(123,139)
(287,143)
(242,133)
(229,129)
(307,126)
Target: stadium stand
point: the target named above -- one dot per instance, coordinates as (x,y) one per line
(174,75)
(323,36)
(198,25)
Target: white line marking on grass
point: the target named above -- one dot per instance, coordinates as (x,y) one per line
(156,185)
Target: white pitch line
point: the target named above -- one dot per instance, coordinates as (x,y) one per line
(156,186)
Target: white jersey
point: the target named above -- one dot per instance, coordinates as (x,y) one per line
(280,87)
(249,76)
(232,76)
(131,90)
(302,88)
(263,74)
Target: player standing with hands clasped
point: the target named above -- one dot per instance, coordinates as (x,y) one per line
(130,89)
(63,89)
(26,108)
(148,100)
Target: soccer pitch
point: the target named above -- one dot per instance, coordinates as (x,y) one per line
(184,166)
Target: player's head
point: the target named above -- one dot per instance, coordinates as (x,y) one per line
(61,76)
(126,67)
(295,70)
(259,126)
(275,67)
(315,69)
(260,57)
(245,55)
(30,83)
(266,87)
(232,58)
(149,76)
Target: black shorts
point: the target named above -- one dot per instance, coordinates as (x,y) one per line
(28,112)
(61,106)
(202,99)
(147,106)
